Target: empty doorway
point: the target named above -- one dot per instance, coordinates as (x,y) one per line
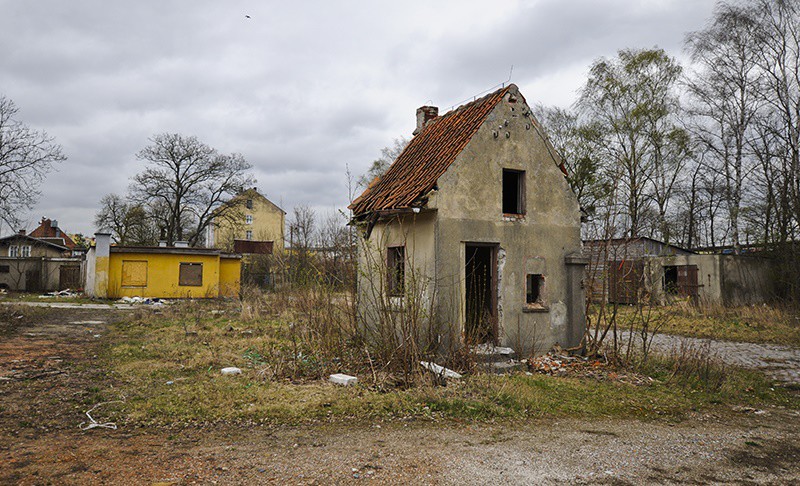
(481,293)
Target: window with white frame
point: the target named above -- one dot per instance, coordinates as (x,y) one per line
(248,219)
(13,251)
(248,235)
(26,251)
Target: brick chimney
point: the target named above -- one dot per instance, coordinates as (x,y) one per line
(424,115)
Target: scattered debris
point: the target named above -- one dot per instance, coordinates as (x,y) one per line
(342,379)
(440,371)
(557,364)
(60,293)
(231,370)
(489,349)
(142,300)
(752,410)
(94,423)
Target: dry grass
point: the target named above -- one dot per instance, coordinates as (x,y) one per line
(758,324)
(167,365)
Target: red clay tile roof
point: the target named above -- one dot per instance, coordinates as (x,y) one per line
(46,230)
(426,157)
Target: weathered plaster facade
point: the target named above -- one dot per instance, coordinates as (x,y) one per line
(729,280)
(252,217)
(464,213)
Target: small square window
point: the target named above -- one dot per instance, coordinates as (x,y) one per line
(534,292)
(396,270)
(5,268)
(248,219)
(514,192)
(248,235)
(191,274)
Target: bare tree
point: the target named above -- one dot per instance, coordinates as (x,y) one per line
(26,156)
(725,98)
(130,223)
(576,144)
(630,104)
(188,180)
(381,164)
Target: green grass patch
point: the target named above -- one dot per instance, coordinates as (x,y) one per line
(168,368)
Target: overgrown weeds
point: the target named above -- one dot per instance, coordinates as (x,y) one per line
(168,364)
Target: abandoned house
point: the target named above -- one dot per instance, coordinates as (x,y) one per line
(48,230)
(37,264)
(474,230)
(634,270)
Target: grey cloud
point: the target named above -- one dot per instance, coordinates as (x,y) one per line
(302,90)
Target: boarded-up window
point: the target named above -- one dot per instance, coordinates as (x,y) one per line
(191,274)
(134,273)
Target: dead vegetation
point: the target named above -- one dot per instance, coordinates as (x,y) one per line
(288,343)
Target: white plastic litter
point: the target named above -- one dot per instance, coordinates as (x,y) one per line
(440,370)
(342,379)
(231,370)
(94,423)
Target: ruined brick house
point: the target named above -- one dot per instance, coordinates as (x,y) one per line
(475,223)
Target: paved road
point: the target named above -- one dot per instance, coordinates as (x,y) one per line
(782,363)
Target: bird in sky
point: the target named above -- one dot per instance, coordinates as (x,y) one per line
(247,16)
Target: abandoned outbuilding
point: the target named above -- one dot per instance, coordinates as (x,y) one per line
(634,270)
(160,271)
(36,265)
(475,231)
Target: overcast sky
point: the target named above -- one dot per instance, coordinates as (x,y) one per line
(302,89)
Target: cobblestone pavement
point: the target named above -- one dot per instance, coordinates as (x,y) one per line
(782,363)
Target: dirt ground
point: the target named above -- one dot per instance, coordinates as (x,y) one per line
(49,376)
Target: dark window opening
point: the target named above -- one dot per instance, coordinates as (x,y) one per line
(191,274)
(671,280)
(396,269)
(534,291)
(5,268)
(681,281)
(513,191)
(481,294)
(249,204)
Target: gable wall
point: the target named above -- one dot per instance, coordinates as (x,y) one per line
(469,206)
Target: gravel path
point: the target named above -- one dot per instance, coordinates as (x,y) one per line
(782,363)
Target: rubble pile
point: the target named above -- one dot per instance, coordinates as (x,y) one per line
(557,364)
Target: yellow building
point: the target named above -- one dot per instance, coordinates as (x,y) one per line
(248,217)
(160,272)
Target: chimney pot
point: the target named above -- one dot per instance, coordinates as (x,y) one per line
(162,243)
(181,244)
(424,115)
